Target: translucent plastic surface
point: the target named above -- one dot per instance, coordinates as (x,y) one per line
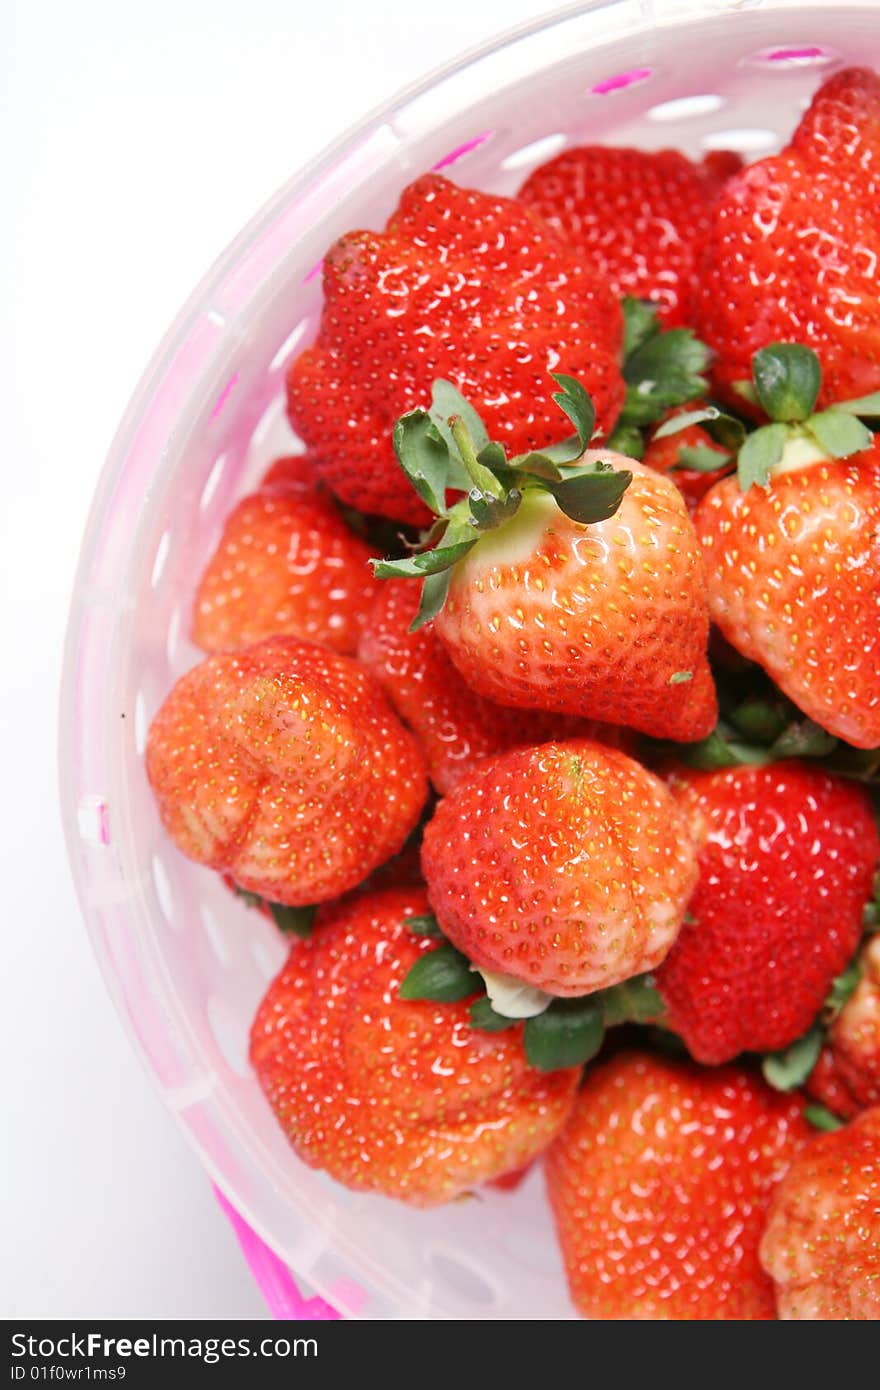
(187,964)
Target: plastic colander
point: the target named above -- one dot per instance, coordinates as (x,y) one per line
(185,963)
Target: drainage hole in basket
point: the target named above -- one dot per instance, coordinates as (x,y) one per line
(285,352)
(620,80)
(535,153)
(682,108)
(173,639)
(744,140)
(800,55)
(464,1278)
(468,147)
(231,1039)
(161,558)
(214,933)
(93,821)
(212,482)
(163,890)
(269,955)
(141,724)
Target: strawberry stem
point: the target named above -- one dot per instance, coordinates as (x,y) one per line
(483,480)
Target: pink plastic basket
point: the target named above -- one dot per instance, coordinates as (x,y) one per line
(185,963)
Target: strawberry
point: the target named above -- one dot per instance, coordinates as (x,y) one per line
(659,1185)
(793,582)
(286,564)
(826,1085)
(786,856)
(639,218)
(455,726)
(385,1094)
(792,548)
(794,244)
(822,1241)
(567,866)
(463,285)
(676,454)
(848,1077)
(284,766)
(567,582)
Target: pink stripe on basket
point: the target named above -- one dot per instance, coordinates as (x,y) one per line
(274,1279)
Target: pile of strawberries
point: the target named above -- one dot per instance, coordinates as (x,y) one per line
(541,707)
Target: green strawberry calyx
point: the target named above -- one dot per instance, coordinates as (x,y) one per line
(662,368)
(786,379)
(447,449)
(292,921)
(557,1032)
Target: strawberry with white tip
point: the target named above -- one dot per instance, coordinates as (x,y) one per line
(569,580)
(792,547)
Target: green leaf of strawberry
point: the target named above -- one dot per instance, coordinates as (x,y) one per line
(842,988)
(839,433)
(426,925)
(424,457)
(821,1118)
(787,1070)
(759,455)
(568,1034)
(665,370)
(428,562)
(591,494)
(485,1018)
(443,976)
(293,921)
(633,1001)
(699,458)
(787,379)
(493,486)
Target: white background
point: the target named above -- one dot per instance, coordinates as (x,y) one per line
(135,140)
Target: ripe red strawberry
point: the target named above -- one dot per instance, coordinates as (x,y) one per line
(793,582)
(793,250)
(847,1076)
(455,726)
(607,621)
(669,453)
(659,1185)
(284,766)
(286,564)
(786,855)
(462,285)
(822,1242)
(388,1095)
(567,866)
(639,217)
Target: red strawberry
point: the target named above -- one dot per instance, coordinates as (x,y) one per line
(659,1185)
(462,285)
(786,856)
(388,1095)
(793,250)
(284,766)
(793,576)
(568,866)
(286,564)
(455,726)
(825,1084)
(847,1076)
(607,621)
(822,1242)
(639,217)
(665,455)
